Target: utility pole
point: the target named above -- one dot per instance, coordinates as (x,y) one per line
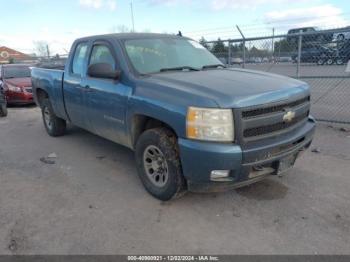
(273,39)
(273,42)
(243,45)
(132,16)
(299,52)
(47,51)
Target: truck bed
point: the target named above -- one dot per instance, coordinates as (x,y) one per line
(50,81)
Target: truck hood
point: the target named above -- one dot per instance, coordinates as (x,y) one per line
(234,88)
(20,82)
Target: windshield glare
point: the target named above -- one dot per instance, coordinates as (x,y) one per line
(16,72)
(152,55)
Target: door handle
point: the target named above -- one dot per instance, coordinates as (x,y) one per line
(88,89)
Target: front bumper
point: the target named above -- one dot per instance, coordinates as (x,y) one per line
(19,98)
(199,159)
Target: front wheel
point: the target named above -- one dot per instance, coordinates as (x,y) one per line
(158,164)
(320,61)
(3,110)
(54,125)
(329,61)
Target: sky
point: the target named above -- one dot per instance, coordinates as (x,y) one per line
(24,23)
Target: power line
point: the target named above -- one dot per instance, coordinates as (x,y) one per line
(257,26)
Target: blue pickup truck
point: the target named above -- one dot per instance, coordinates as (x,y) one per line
(193,123)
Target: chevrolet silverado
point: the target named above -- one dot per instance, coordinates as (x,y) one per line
(193,123)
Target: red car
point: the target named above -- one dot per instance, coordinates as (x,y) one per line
(16,83)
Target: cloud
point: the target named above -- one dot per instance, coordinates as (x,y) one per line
(99,4)
(326,16)
(59,42)
(247,4)
(169,2)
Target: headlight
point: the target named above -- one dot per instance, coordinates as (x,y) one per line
(14,88)
(210,124)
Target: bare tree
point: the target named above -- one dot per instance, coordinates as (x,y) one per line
(42,48)
(125,29)
(120,29)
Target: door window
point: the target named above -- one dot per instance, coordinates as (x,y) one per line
(101,54)
(79,58)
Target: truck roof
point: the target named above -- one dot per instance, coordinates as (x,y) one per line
(131,36)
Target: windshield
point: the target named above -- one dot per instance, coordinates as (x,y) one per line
(155,55)
(16,72)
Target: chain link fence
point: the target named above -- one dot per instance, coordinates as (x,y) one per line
(51,62)
(320,58)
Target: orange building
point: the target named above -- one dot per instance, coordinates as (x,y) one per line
(6,54)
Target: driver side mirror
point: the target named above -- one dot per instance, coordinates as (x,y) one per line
(103,70)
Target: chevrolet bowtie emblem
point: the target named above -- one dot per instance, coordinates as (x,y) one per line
(289,116)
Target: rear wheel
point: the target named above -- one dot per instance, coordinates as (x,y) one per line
(54,125)
(158,164)
(339,61)
(3,110)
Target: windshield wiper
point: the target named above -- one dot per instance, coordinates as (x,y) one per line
(213,66)
(179,68)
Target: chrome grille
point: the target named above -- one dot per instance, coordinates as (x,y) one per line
(263,130)
(272,109)
(268,120)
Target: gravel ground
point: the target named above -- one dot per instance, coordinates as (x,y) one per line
(87,199)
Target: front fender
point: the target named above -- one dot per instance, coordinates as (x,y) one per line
(172,115)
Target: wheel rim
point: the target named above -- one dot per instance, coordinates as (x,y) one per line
(320,62)
(329,61)
(47,118)
(156,166)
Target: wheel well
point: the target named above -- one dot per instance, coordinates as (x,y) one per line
(141,123)
(41,95)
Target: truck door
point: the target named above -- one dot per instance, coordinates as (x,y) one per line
(106,98)
(74,88)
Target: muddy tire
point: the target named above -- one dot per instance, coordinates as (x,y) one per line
(3,110)
(54,125)
(158,164)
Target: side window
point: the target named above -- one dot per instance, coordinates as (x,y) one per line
(101,54)
(0,79)
(79,58)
